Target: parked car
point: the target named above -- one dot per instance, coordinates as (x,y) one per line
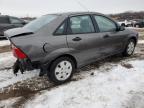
(8,22)
(58,44)
(139,23)
(125,23)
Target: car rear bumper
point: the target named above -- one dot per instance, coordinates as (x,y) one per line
(24,65)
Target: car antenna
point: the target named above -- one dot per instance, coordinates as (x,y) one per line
(82,5)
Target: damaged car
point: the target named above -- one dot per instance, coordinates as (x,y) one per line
(58,44)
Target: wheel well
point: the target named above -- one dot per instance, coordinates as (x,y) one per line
(65,55)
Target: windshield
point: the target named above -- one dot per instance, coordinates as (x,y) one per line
(40,22)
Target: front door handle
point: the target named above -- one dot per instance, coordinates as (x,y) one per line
(106,36)
(76,39)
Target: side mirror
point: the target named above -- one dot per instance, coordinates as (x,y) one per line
(121,28)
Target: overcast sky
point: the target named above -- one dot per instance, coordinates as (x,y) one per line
(36,8)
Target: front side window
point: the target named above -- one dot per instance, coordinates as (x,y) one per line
(15,20)
(40,22)
(105,24)
(81,24)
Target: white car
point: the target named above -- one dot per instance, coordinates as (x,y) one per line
(125,23)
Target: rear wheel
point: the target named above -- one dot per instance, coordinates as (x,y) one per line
(130,48)
(61,70)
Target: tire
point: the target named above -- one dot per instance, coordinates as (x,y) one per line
(61,70)
(123,25)
(130,47)
(137,26)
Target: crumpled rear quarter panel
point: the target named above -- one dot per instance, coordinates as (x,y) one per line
(39,45)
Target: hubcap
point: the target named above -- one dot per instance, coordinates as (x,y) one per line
(130,48)
(63,70)
(137,26)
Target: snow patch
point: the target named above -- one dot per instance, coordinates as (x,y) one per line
(102,90)
(8,78)
(6,75)
(8,103)
(141,41)
(6,60)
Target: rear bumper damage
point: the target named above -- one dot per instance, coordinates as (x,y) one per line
(23,62)
(23,65)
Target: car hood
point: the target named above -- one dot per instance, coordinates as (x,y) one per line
(17,32)
(132,31)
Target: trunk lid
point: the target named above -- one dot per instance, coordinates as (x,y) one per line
(17,32)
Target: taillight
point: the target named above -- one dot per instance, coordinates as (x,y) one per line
(18,53)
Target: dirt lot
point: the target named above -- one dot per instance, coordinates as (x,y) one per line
(4,48)
(26,89)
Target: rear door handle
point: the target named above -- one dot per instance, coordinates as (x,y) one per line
(76,39)
(106,36)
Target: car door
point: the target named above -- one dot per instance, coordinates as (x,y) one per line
(113,39)
(4,24)
(83,39)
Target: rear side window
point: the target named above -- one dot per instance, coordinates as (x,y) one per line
(81,24)
(4,20)
(40,22)
(60,30)
(105,24)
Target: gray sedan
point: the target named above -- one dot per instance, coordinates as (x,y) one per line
(57,44)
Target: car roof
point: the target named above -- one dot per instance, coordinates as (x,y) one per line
(3,15)
(74,13)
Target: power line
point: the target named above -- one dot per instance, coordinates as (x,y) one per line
(81,5)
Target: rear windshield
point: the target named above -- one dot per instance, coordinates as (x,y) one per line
(40,22)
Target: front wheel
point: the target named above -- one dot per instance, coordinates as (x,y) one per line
(61,70)
(137,26)
(130,48)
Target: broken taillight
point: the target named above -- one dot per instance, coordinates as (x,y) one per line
(18,53)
